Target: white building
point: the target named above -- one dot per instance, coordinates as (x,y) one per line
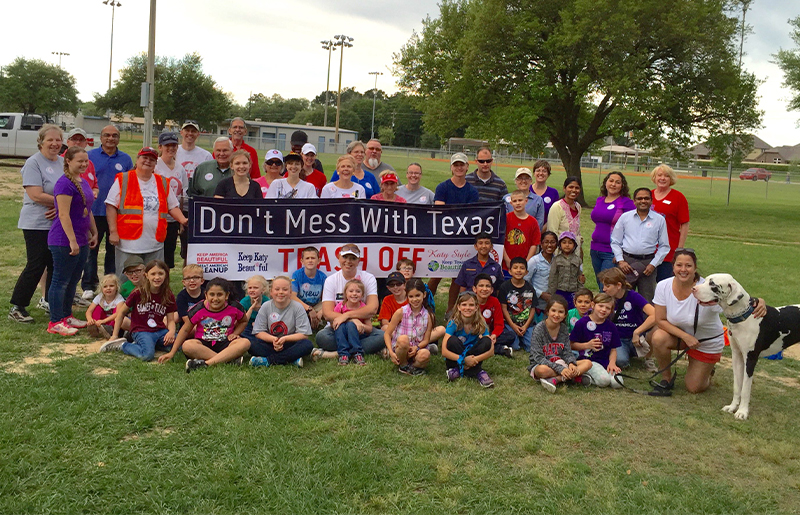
(266,135)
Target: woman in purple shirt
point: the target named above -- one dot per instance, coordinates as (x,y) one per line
(72,233)
(550,195)
(615,200)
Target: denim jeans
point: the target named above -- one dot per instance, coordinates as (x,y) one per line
(145,344)
(625,352)
(291,351)
(67,271)
(524,341)
(601,261)
(372,343)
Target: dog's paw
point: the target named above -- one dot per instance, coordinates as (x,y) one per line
(730,408)
(741,414)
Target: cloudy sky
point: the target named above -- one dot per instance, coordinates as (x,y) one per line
(250,46)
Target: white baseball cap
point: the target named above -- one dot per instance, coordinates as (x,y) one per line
(308,148)
(273,154)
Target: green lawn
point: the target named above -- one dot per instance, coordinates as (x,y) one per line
(92,433)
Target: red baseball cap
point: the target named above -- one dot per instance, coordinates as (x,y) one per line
(149,151)
(390,177)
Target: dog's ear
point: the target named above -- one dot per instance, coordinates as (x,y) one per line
(736,293)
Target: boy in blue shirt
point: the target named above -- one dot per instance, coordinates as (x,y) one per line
(307,283)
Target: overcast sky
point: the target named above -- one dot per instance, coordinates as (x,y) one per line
(250,45)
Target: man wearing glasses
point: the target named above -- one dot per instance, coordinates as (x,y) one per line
(372,160)
(108,161)
(491,188)
(237,131)
(412,190)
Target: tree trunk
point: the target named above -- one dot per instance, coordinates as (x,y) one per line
(573,168)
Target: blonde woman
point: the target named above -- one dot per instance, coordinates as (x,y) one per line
(673,205)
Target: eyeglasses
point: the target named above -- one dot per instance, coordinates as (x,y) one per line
(405,269)
(135,271)
(274,163)
(484,161)
(193,278)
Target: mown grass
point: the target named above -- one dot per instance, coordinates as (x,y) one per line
(328,439)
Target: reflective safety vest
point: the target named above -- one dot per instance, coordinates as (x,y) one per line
(130,215)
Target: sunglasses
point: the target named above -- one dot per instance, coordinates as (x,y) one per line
(686,250)
(484,161)
(637,199)
(274,163)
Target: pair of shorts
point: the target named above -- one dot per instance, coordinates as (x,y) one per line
(215,346)
(703,357)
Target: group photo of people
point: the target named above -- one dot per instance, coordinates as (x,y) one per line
(537,298)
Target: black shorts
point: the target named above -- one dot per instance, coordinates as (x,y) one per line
(215,346)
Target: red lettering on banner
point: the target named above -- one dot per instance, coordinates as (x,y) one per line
(285,253)
(382,258)
(416,259)
(364,258)
(324,260)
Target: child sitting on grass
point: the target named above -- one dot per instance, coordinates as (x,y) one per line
(350,333)
(407,267)
(551,360)
(133,270)
(502,336)
(192,292)
(410,331)
(101,313)
(396,283)
(307,284)
(216,326)
(584,300)
(256,287)
(281,329)
(466,343)
(596,338)
(517,300)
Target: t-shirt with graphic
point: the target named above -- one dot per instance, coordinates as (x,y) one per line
(280,188)
(493,314)
(331,190)
(148,317)
(215,326)
(109,308)
(521,235)
(519,300)
(185,301)
(587,329)
(573,315)
(189,159)
(629,314)
(460,334)
(282,321)
(308,289)
(421,195)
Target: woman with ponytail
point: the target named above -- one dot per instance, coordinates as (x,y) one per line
(72,234)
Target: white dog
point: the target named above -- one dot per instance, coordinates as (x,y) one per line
(750,337)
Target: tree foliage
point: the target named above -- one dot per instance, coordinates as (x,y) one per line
(573,72)
(789,62)
(182,91)
(275,108)
(34,86)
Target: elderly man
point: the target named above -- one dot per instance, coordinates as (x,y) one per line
(237,131)
(189,154)
(333,291)
(640,243)
(372,159)
(108,161)
(298,139)
(489,185)
(137,204)
(208,174)
(412,190)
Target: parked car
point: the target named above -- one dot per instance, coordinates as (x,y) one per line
(755,174)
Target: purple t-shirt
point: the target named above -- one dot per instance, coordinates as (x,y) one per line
(586,329)
(630,314)
(549,198)
(80,223)
(605,216)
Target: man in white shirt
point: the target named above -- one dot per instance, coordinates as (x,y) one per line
(412,190)
(189,154)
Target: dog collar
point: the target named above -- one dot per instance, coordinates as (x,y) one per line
(751,306)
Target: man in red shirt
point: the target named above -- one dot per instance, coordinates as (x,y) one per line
(237,131)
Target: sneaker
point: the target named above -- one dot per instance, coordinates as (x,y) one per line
(549,384)
(60,328)
(74,322)
(80,301)
(88,295)
(418,371)
(111,345)
(485,380)
(504,350)
(20,314)
(43,305)
(359,359)
(664,385)
(405,369)
(316,354)
(385,353)
(105,331)
(258,361)
(453,374)
(584,380)
(650,365)
(344,360)
(298,362)
(238,361)
(433,348)
(194,364)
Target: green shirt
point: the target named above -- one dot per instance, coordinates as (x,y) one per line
(126,288)
(205,179)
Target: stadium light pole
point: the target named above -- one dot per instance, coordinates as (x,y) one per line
(330,46)
(114,4)
(374,97)
(341,41)
(59,54)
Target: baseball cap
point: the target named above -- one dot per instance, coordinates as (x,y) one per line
(132,262)
(166,138)
(299,138)
(524,171)
(75,132)
(389,177)
(292,156)
(273,154)
(190,123)
(395,277)
(308,148)
(459,157)
(148,151)
(351,249)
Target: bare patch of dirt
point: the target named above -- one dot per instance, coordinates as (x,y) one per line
(792,352)
(102,371)
(52,351)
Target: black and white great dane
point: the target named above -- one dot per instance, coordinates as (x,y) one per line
(750,337)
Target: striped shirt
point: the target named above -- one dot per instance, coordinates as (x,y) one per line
(414,326)
(492,190)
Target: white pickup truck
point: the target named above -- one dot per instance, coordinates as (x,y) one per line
(18,134)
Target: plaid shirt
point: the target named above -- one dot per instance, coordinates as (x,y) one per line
(412,325)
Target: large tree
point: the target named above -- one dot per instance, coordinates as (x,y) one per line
(34,86)
(182,91)
(789,62)
(573,72)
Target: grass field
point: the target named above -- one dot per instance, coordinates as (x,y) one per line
(82,432)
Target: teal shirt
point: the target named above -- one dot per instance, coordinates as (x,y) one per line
(246,302)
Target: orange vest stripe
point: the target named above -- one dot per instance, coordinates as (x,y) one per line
(130,215)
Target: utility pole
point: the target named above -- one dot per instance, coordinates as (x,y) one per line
(330,46)
(374,97)
(59,54)
(341,41)
(147,135)
(114,4)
